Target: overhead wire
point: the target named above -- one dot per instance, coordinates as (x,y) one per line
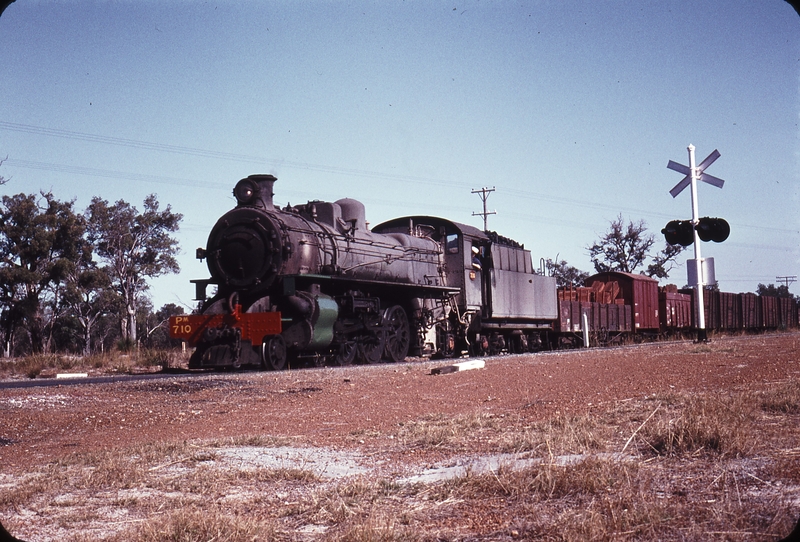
(191,151)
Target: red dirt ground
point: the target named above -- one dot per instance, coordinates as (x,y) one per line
(328,406)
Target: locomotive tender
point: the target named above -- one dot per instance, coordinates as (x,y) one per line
(312,282)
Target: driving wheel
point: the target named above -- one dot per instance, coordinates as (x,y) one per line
(370,347)
(346,353)
(398,334)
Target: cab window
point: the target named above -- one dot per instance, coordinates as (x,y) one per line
(451,243)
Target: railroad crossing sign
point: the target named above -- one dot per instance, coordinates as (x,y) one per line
(699,172)
(694,174)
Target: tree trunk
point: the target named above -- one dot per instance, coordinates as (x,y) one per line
(6,340)
(36,332)
(132,326)
(131,323)
(87,337)
(129,320)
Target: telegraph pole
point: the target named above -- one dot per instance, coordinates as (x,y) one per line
(484,192)
(787,280)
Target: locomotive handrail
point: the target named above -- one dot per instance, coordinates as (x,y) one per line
(381,244)
(356,240)
(388,259)
(432,288)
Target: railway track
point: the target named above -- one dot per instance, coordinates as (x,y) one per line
(70,380)
(186,373)
(79,381)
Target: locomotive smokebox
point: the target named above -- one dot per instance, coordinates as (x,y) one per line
(245,248)
(255,191)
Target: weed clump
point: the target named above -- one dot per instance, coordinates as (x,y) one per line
(782,400)
(443,431)
(186,525)
(720,425)
(559,435)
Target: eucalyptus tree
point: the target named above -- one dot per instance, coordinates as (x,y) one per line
(626,248)
(87,297)
(565,274)
(133,247)
(40,239)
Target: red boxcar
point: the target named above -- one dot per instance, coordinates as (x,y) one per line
(787,310)
(711,305)
(638,291)
(605,321)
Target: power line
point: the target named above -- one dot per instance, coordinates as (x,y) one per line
(538,197)
(191,151)
(137,144)
(173,181)
(111,174)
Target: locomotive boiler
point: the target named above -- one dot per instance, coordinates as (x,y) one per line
(311,282)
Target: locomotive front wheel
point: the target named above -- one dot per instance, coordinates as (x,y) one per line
(346,353)
(398,333)
(273,353)
(370,348)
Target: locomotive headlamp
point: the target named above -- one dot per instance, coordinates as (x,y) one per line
(246,191)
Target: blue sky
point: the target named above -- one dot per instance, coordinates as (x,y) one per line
(569,109)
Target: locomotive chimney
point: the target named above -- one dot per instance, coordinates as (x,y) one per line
(264,183)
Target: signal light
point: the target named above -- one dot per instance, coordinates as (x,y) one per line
(713,229)
(679,232)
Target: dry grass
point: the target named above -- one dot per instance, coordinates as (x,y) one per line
(560,435)
(32,366)
(380,527)
(719,424)
(510,433)
(723,466)
(115,362)
(452,432)
(194,525)
(783,399)
(264,441)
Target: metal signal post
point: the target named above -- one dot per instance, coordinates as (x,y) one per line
(701,320)
(694,174)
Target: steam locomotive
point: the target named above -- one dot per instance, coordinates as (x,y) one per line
(312,283)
